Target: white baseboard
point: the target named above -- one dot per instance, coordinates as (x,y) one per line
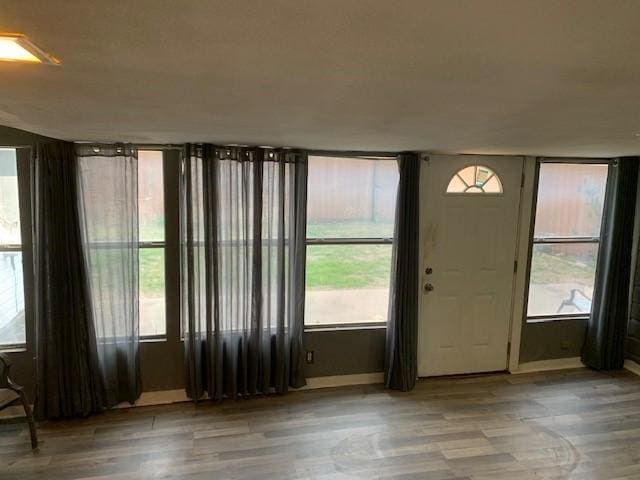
(548,365)
(632,366)
(164,397)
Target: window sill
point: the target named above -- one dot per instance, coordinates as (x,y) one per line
(355,326)
(153,339)
(13,349)
(556,318)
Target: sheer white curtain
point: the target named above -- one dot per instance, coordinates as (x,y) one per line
(108,191)
(243,251)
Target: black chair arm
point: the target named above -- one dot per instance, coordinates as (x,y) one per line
(5,360)
(5,379)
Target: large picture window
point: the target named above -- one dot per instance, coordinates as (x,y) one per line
(350,216)
(12,318)
(152,244)
(570,201)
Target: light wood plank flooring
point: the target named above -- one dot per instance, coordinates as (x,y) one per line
(575,424)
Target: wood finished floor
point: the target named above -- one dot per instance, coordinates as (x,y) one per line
(575,424)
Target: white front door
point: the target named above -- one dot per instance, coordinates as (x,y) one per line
(468,249)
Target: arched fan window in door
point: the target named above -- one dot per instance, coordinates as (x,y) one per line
(475,179)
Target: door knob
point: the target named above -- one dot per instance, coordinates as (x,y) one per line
(428,287)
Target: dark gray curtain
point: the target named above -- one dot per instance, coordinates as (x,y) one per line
(69,381)
(401,357)
(108,200)
(632,349)
(243,216)
(606,331)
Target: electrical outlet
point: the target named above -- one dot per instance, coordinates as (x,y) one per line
(309,356)
(564,345)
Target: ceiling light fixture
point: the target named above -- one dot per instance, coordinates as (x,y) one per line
(15,47)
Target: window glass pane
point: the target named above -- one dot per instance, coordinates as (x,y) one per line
(9,209)
(456,185)
(468,175)
(152,296)
(570,200)
(562,278)
(351,197)
(475,179)
(493,185)
(347,284)
(150,196)
(12,325)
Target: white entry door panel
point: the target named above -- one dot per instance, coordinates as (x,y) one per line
(468,241)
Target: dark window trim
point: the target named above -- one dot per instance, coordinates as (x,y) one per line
(153,244)
(15,248)
(575,161)
(344,242)
(332,327)
(149,244)
(350,241)
(23,170)
(558,317)
(319,241)
(357,154)
(551,240)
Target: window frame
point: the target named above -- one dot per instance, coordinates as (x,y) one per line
(319,241)
(150,244)
(477,194)
(16,248)
(557,240)
(25,247)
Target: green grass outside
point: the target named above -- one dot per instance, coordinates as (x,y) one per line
(328,266)
(332,267)
(151,272)
(371,229)
(554,267)
(368,266)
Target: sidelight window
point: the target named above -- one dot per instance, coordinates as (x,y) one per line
(12,315)
(566,237)
(152,244)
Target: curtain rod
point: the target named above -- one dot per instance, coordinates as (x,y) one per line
(310,151)
(326,153)
(350,153)
(143,146)
(346,153)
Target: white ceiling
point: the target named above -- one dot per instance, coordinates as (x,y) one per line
(539,77)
